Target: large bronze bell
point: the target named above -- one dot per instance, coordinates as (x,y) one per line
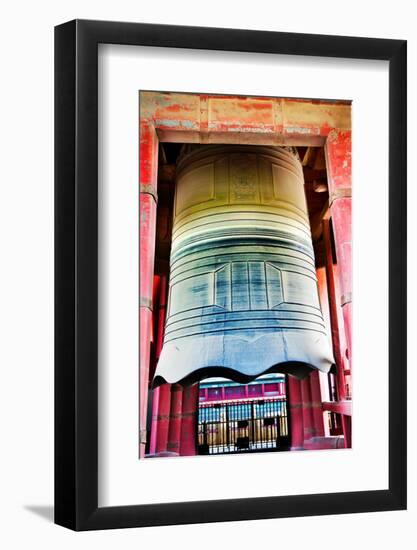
(243,296)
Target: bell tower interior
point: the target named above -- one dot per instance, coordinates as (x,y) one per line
(272,411)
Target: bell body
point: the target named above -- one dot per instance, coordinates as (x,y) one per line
(243,296)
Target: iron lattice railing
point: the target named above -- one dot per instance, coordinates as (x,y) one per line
(243,426)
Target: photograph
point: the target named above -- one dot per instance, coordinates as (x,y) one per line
(209,299)
(245,245)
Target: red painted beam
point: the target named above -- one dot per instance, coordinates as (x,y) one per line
(226,119)
(327,442)
(340,407)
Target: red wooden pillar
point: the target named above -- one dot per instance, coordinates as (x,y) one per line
(324,299)
(154,422)
(162,418)
(148,164)
(159,321)
(295,405)
(347,430)
(174,432)
(316,404)
(308,419)
(339,174)
(146,337)
(333,309)
(324,304)
(188,441)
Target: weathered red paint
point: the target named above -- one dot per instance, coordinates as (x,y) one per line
(246,113)
(188,440)
(175,108)
(200,118)
(260,106)
(339,160)
(148,157)
(295,406)
(147,213)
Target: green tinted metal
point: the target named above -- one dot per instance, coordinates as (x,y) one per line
(243,296)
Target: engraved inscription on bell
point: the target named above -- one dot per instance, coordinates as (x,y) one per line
(243,296)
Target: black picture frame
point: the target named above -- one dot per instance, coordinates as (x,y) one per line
(76,271)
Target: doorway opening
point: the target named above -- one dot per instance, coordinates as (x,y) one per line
(236,418)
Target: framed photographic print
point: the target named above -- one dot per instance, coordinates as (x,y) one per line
(230,275)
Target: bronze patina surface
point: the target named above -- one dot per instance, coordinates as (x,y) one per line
(243,296)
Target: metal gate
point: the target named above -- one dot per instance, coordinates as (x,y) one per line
(243,426)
